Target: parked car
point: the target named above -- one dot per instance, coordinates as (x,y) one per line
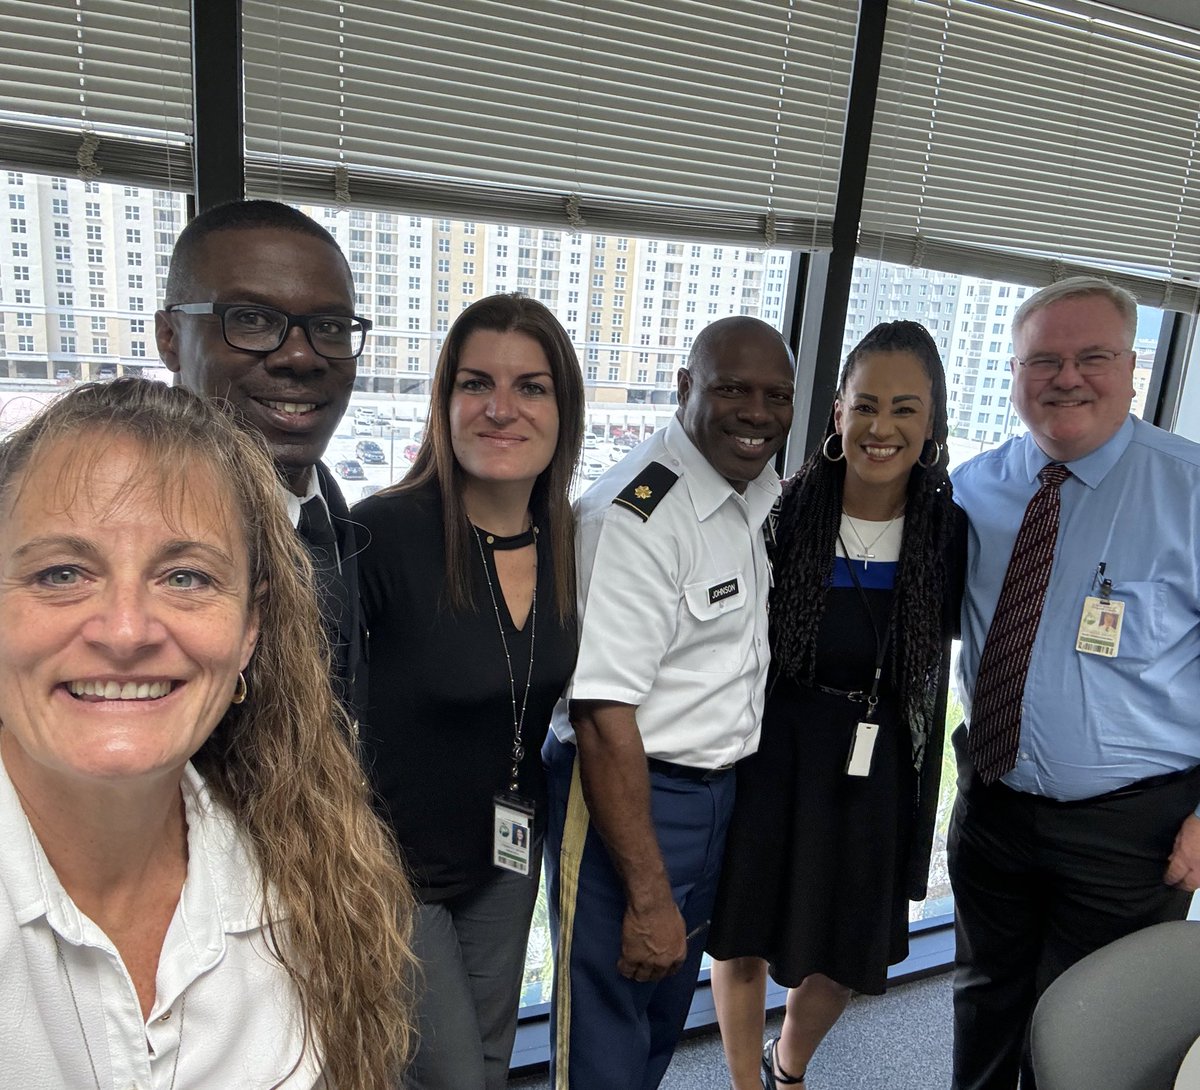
(589,440)
(591,467)
(64,377)
(107,371)
(410,452)
(364,425)
(626,442)
(370,490)
(350,470)
(370,452)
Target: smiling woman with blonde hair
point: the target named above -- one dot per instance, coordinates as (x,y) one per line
(193,892)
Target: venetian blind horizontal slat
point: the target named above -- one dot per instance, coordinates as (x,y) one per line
(1036,139)
(120,68)
(694,118)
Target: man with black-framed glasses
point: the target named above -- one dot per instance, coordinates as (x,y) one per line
(259,312)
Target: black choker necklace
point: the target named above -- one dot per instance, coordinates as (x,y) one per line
(517,541)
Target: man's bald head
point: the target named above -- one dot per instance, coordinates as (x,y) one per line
(735,396)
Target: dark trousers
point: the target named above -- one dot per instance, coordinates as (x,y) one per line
(609,1032)
(1039,884)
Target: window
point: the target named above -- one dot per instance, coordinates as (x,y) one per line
(66,298)
(100,346)
(22,295)
(133,236)
(24,343)
(62,253)
(66,344)
(16,201)
(133,212)
(91,209)
(137,349)
(66,321)
(62,229)
(24,319)
(20,249)
(17,226)
(95,256)
(63,276)
(59,206)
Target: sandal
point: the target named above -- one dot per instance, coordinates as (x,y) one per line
(770,1080)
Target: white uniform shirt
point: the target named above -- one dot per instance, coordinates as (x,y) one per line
(241,1025)
(672,610)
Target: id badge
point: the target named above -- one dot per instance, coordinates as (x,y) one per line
(1100,627)
(512,833)
(862,749)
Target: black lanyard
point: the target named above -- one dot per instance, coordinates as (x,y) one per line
(881,643)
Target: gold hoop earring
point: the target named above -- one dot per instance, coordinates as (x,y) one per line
(239,690)
(937,455)
(825,448)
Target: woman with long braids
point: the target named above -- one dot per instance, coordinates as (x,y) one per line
(832,831)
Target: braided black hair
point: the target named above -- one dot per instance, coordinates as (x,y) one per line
(807,533)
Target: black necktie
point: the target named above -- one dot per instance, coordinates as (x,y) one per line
(316,529)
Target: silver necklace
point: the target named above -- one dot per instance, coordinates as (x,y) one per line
(518,750)
(866,556)
(83,1032)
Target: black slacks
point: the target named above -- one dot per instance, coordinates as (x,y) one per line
(1039,884)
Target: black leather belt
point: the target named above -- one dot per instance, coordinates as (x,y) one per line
(687,772)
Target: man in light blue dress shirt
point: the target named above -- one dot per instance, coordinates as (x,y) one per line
(1093,833)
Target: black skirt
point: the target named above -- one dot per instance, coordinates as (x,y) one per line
(814,873)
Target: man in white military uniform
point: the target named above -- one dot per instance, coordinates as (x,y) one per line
(667,695)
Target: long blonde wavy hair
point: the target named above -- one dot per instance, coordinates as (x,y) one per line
(280,761)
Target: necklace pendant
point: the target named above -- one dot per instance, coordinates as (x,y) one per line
(866,558)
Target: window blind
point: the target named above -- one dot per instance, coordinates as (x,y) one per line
(684,118)
(97,87)
(1029,141)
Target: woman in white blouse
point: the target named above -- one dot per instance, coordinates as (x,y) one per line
(193,890)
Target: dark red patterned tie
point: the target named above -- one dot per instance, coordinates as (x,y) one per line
(995,733)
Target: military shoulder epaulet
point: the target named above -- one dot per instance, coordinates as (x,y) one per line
(644,493)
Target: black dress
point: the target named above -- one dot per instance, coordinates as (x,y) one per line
(438,728)
(819,865)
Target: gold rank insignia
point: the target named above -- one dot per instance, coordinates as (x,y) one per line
(645,492)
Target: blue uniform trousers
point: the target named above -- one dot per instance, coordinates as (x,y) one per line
(609,1032)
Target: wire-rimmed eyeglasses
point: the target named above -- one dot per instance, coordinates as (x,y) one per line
(254,328)
(1091,361)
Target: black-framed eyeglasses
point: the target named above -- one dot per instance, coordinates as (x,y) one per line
(1092,361)
(255,328)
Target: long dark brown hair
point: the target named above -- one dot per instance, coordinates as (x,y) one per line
(808,528)
(436,463)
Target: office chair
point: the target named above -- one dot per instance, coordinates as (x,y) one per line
(1124,1017)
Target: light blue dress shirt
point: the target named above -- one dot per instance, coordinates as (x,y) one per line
(1091,724)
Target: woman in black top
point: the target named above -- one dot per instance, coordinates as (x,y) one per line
(831,831)
(468,590)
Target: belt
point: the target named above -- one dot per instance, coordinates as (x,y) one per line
(687,772)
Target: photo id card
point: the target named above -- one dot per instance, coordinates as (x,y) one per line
(862,749)
(1100,627)
(512,833)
